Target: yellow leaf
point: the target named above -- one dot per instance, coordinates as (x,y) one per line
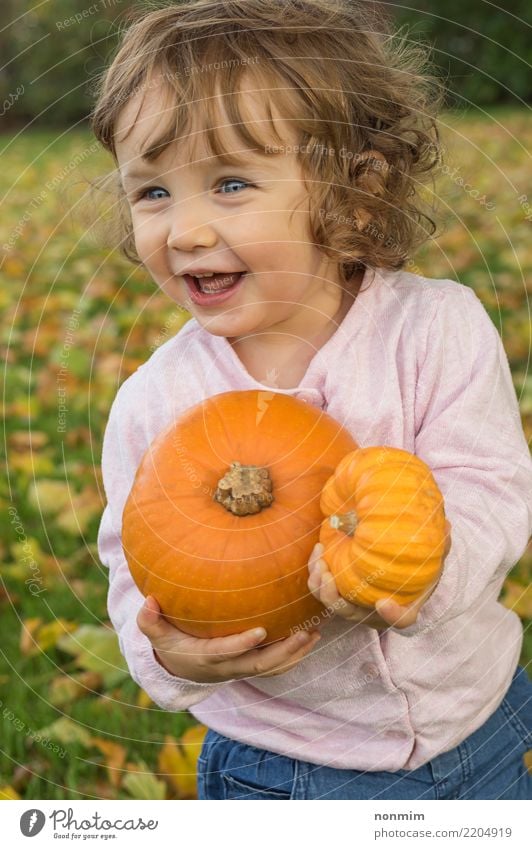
(28,440)
(49,496)
(142,784)
(115,757)
(27,634)
(25,406)
(30,545)
(192,740)
(32,564)
(96,648)
(178,761)
(66,731)
(49,634)
(528,760)
(65,689)
(7,792)
(37,637)
(13,267)
(518,597)
(31,464)
(143,700)
(76,516)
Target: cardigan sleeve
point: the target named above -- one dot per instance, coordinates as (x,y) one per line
(469,432)
(124,444)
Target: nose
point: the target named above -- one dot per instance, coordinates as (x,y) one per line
(190,227)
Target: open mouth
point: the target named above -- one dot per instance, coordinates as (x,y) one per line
(206,291)
(217,283)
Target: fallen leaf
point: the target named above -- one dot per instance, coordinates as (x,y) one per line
(8,792)
(142,784)
(30,545)
(115,758)
(24,440)
(27,635)
(24,407)
(50,633)
(49,496)
(31,465)
(65,689)
(143,700)
(66,731)
(518,598)
(37,636)
(178,761)
(78,437)
(96,648)
(83,507)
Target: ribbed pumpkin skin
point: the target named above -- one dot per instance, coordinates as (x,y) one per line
(214,573)
(397,547)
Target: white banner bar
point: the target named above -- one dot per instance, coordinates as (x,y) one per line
(349,824)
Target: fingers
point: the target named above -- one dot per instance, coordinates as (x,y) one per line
(398,616)
(395,615)
(322,585)
(154,626)
(220,658)
(283,655)
(235,645)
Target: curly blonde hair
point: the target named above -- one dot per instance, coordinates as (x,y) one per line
(357,94)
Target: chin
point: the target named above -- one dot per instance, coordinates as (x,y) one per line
(217,325)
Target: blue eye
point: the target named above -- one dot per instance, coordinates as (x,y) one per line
(232,180)
(146,192)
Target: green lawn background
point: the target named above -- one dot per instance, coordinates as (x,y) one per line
(77,321)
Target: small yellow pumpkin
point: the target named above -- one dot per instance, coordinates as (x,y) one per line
(384,531)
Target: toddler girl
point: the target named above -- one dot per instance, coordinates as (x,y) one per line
(269,157)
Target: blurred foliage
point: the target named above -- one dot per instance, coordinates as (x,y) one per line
(77,321)
(484,51)
(54,51)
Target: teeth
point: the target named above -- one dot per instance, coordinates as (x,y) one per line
(201,276)
(224,282)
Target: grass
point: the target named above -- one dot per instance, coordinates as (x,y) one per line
(49,272)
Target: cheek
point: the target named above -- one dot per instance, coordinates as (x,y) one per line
(149,241)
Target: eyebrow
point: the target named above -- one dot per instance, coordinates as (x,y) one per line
(139,172)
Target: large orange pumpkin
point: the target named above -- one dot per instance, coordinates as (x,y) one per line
(225,510)
(384,531)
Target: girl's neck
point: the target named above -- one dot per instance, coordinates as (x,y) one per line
(282,361)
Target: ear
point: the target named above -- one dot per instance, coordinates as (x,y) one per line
(370,172)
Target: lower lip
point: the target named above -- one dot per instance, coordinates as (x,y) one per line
(216,298)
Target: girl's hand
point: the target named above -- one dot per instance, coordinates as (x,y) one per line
(388,613)
(209,661)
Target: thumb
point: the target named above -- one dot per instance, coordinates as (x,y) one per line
(150,620)
(394,614)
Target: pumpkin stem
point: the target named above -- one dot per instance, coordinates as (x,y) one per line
(346,522)
(244,489)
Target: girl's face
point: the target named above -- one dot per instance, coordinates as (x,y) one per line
(191,211)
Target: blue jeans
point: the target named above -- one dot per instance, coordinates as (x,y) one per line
(486,765)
